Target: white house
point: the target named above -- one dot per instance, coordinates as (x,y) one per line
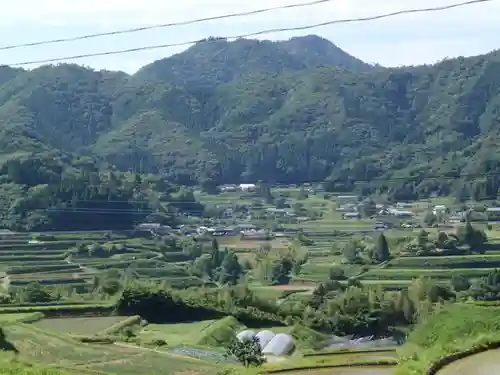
(228,188)
(247,187)
(439,209)
(399,213)
(402,205)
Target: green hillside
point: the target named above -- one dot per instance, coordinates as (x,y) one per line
(294,111)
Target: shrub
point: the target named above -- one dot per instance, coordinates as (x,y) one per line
(120,326)
(94,339)
(221,333)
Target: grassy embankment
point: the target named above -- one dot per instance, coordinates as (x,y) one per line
(452,332)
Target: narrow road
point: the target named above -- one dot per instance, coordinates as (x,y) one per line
(485,363)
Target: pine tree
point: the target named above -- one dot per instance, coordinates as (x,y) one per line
(248,352)
(230,269)
(381,252)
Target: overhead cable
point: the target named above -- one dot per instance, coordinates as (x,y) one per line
(164,25)
(252,34)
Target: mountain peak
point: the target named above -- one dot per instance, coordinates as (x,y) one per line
(317,51)
(218,60)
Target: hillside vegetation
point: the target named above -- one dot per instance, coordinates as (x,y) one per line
(294,111)
(454,329)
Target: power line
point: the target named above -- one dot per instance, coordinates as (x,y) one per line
(165,25)
(257,33)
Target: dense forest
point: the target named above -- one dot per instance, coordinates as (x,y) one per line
(294,111)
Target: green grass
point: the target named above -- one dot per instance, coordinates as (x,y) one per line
(148,363)
(10,365)
(454,329)
(306,338)
(345,364)
(58,351)
(78,326)
(177,333)
(277,292)
(220,333)
(20,317)
(385,284)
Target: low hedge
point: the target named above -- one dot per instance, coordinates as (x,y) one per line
(450,262)
(118,327)
(53,245)
(37,269)
(31,258)
(49,304)
(31,318)
(93,339)
(65,310)
(48,282)
(409,273)
(381,363)
(348,351)
(176,257)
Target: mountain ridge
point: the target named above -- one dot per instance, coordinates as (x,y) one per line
(289,111)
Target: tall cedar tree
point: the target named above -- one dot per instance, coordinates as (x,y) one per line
(381,252)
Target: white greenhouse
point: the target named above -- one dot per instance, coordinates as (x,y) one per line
(281,344)
(245,335)
(264,338)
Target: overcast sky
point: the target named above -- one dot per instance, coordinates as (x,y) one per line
(403,40)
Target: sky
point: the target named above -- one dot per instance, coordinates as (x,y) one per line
(403,40)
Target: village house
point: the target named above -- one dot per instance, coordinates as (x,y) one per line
(256,235)
(493,213)
(402,214)
(351,215)
(281,212)
(401,205)
(347,207)
(228,188)
(247,187)
(244,227)
(440,209)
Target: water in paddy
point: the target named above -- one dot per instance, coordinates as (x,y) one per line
(348,371)
(487,363)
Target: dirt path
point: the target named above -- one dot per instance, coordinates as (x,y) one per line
(485,363)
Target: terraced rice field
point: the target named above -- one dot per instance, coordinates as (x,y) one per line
(23,261)
(178,333)
(78,326)
(483,363)
(345,371)
(435,273)
(55,350)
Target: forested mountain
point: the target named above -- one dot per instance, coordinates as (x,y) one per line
(217,61)
(299,110)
